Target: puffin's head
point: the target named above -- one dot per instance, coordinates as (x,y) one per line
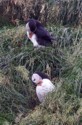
(36,78)
(31,25)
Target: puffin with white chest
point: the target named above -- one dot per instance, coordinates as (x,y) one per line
(43,85)
(38,35)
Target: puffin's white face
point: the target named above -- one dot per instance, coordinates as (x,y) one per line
(36,78)
(27,27)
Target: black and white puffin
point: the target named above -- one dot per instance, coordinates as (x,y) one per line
(43,85)
(38,35)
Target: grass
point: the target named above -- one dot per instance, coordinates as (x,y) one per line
(18,60)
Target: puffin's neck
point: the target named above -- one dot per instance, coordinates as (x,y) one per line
(39,83)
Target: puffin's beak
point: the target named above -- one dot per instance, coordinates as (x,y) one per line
(39,82)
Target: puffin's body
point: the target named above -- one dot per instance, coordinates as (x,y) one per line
(38,34)
(43,89)
(43,85)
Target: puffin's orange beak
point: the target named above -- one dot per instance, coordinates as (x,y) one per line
(39,83)
(30,35)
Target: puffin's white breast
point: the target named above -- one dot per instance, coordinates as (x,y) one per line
(42,90)
(33,39)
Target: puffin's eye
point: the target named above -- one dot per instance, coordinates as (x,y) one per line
(34,79)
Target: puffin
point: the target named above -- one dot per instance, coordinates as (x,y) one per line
(37,34)
(43,85)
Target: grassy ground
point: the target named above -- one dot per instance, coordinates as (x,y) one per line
(18,60)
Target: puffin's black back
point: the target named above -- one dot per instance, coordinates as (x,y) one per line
(42,75)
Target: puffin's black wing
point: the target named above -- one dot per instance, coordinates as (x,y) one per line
(43,36)
(43,33)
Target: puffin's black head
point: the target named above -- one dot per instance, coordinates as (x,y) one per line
(32,25)
(42,75)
